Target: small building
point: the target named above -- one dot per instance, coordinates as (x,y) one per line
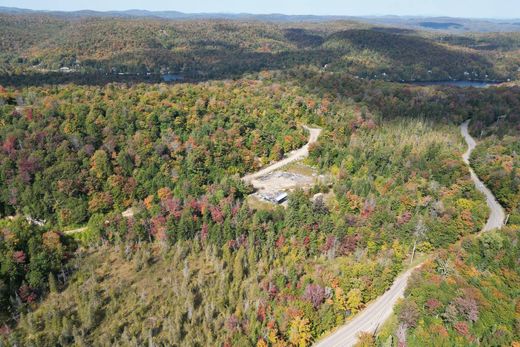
(280,198)
(274,198)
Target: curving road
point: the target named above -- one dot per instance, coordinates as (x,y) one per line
(298,154)
(371,317)
(497,214)
(378,311)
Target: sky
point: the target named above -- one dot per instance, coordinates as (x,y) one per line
(452,8)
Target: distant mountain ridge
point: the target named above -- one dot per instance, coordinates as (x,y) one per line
(174,14)
(412,22)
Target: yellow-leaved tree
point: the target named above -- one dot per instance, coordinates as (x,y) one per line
(354,300)
(300,332)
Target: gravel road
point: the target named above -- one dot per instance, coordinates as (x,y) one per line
(378,311)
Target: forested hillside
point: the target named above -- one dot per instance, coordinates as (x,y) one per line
(497,162)
(496,158)
(466,296)
(72,152)
(92,47)
(125,221)
(382,54)
(396,183)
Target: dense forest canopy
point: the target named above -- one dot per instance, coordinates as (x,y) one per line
(466,296)
(70,152)
(398,181)
(208,49)
(125,220)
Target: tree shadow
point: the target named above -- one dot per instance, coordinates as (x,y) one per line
(405,57)
(406,49)
(303,38)
(411,55)
(193,66)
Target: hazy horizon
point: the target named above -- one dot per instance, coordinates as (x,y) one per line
(478,9)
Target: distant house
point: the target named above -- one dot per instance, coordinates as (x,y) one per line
(65,69)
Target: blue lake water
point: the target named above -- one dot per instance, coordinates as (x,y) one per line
(172,77)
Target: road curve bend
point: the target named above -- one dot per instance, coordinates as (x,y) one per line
(497,215)
(298,154)
(380,310)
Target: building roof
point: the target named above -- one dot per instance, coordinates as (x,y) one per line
(280,197)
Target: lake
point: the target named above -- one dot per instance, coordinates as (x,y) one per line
(460,84)
(172,77)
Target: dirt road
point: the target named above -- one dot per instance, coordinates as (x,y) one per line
(293,156)
(377,312)
(130,212)
(370,318)
(497,215)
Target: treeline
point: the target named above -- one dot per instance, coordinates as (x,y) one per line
(440,103)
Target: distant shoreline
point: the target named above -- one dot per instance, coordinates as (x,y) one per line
(456,83)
